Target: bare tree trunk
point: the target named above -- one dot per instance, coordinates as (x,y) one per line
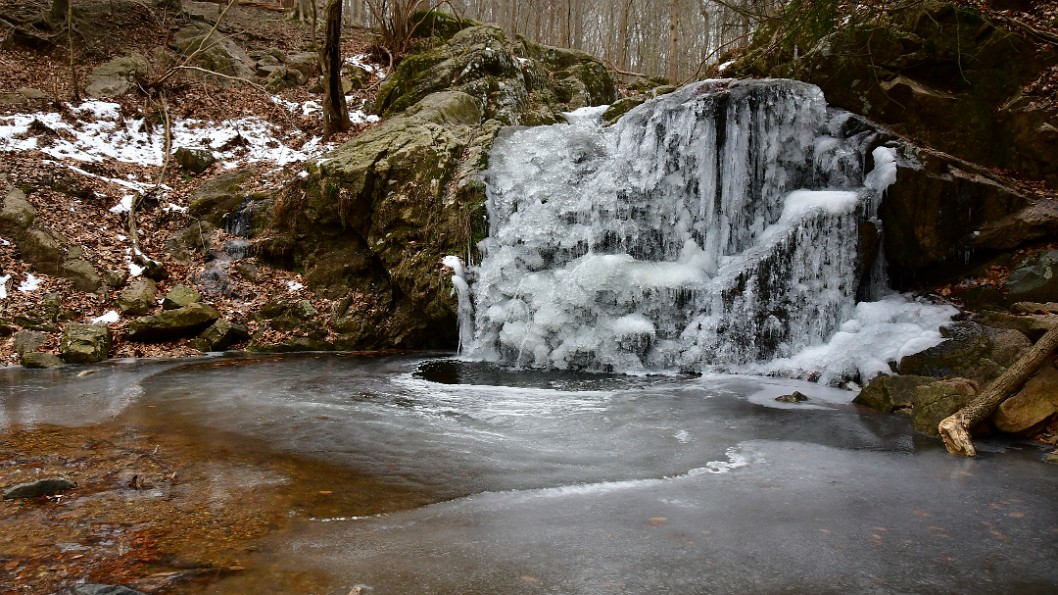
(622,31)
(74,85)
(58,11)
(674,64)
(955,429)
(335,110)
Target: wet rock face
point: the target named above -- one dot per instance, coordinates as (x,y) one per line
(952,82)
(938,73)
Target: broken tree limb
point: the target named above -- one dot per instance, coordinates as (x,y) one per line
(955,429)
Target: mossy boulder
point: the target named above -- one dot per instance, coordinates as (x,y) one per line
(117,77)
(180,296)
(890,394)
(170,325)
(373,219)
(83,275)
(937,400)
(221,54)
(220,196)
(220,335)
(1032,407)
(27,341)
(40,360)
(285,315)
(194,160)
(138,298)
(85,343)
(16,213)
(517,82)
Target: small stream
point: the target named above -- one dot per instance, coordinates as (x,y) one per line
(451,477)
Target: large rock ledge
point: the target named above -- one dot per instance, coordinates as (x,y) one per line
(373,219)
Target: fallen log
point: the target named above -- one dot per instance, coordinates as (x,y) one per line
(955,429)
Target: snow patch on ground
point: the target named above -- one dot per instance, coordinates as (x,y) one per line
(96,131)
(108,318)
(30,284)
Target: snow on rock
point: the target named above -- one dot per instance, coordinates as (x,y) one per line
(4,279)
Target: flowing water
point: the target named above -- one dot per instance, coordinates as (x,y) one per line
(449,477)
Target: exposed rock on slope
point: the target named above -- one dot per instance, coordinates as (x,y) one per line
(374,218)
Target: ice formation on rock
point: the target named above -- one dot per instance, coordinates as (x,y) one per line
(716,226)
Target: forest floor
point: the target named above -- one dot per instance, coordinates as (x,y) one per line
(80,196)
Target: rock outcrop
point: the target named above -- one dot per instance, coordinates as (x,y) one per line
(373,219)
(955,84)
(85,343)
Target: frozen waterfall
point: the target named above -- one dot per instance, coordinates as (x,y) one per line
(727,224)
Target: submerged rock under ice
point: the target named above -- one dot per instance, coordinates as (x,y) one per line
(722,225)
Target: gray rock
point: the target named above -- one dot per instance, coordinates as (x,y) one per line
(27,341)
(194,159)
(180,296)
(1035,279)
(138,298)
(170,325)
(41,249)
(42,487)
(51,307)
(31,93)
(116,278)
(195,238)
(220,335)
(17,214)
(82,273)
(794,397)
(40,359)
(307,63)
(85,343)
(223,55)
(90,589)
(117,77)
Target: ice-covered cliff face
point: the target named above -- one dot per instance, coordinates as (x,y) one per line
(718,225)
